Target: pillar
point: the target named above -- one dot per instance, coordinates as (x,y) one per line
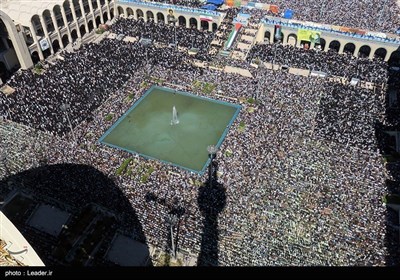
(66,24)
(53,17)
(357,50)
(108,10)
(387,56)
(101,11)
(46,33)
(341,48)
(84,15)
(34,35)
(372,53)
(71,4)
(92,12)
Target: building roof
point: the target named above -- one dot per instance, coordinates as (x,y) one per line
(14,249)
(22,11)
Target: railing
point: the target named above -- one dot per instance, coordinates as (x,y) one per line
(326,28)
(173,7)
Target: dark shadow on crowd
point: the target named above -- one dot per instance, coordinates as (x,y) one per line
(211,200)
(99,210)
(387,147)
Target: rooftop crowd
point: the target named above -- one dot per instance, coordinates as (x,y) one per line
(362,14)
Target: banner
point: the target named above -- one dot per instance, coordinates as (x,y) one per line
(171,16)
(274,9)
(278,32)
(44,44)
(309,35)
(206,18)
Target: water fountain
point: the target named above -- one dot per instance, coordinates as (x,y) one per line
(175,119)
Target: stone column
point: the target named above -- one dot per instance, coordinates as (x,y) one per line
(357,50)
(34,35)
(46,33)
(108,10)
(92,11)
(84,15)
(53,17)
(71,4)
(341,48)
(387,57)
(101,11)
(66,24)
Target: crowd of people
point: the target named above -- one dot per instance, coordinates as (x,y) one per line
(78,81)
(351,13)
(330,62)
(302,173)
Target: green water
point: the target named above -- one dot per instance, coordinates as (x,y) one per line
(147,128)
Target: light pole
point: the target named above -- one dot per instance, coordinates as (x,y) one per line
(145,44)
(172,220)
(212,150)
(174,21)
(64,107)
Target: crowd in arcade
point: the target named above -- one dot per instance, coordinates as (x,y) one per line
(330,62)
(351,13)
(302,175)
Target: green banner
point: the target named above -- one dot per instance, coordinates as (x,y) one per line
(309,35)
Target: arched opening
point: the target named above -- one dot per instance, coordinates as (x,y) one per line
(90,25)
(182,21)
(139,13)
(120,10)
(94,4)
(98,21)
(48,21)
(37,25)
(334,45)
(46,53)
(58,15)
(105,16)
(65,40)
(74,35)
(56,45)
(129,11)
(102,2)
(364,51)
(349,48)
(86,6)
(204,25)
(381,53)
(193,23)
(214,27)
(112,13)
(82,30)
(292,39)
(78,11)
(267,36)
(68,12)
(321,45)
(160,17)
(35,57)
(149,15)
(280,39)
(394,59)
